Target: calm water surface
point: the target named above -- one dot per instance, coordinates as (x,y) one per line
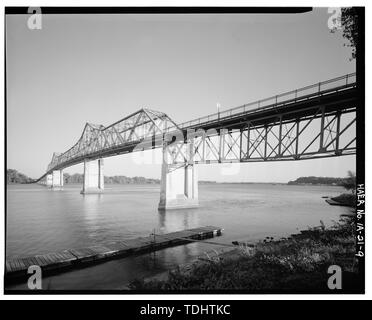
(40,220)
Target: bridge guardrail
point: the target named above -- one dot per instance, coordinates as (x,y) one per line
(334,83)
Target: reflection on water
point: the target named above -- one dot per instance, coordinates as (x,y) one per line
(41,221)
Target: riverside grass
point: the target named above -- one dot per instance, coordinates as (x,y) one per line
(297,264)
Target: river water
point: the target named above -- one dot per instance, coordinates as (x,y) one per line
(40,221)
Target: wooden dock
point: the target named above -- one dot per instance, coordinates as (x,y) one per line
(336,203)
(75,258)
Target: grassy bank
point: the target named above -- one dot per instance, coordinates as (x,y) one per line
(345,199)
(295,264)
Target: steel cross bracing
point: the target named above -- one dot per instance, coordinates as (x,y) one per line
(311,122)
(317,136)
(123,136)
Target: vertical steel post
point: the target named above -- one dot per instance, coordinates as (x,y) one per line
(204,136)
(222,144)
(248,138)
(265,146)
(297,135)
(321,138)
(240,144)
(280,135)
(338,132)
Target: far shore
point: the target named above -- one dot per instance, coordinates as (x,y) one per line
(200,182)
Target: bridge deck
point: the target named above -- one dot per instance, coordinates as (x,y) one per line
(75,258)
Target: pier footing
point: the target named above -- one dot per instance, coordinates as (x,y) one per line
(93,177)
(49,180)
(57,180)
(54,180)
(179,187)
(92,191)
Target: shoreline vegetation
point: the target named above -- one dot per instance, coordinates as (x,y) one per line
(323,181)
(298,263)
(16,177)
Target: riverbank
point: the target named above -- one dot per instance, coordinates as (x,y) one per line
(295,264)
(345,199)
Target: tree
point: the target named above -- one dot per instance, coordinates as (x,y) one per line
(349,22)
(350,181)
(13,176)
(349,25)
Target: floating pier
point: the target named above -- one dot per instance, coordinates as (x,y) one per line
(336,203)
(76,258)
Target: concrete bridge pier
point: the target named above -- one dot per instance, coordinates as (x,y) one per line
(49,180)
(57,179)
(179,185)
(93,176)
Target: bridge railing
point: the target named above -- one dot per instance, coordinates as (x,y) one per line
(339,82)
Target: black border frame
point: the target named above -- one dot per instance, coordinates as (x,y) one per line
(360,122)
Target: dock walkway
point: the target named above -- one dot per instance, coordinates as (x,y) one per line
(67,259)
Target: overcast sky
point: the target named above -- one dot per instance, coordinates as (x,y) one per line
(100,68)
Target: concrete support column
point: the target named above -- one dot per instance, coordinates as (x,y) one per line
(57,179)
(93,176)
(179,185)
(49,180)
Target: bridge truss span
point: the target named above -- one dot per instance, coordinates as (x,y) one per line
(318,124)
(311,122)
(123,136)
(320,135)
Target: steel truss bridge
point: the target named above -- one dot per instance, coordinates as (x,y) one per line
(316,121)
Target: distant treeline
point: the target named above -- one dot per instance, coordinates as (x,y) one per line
(79,178)
(13,176)
(320,181)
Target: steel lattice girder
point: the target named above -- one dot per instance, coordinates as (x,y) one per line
(126,135)
(319,135)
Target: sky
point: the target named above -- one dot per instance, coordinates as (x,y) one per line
(101,68)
